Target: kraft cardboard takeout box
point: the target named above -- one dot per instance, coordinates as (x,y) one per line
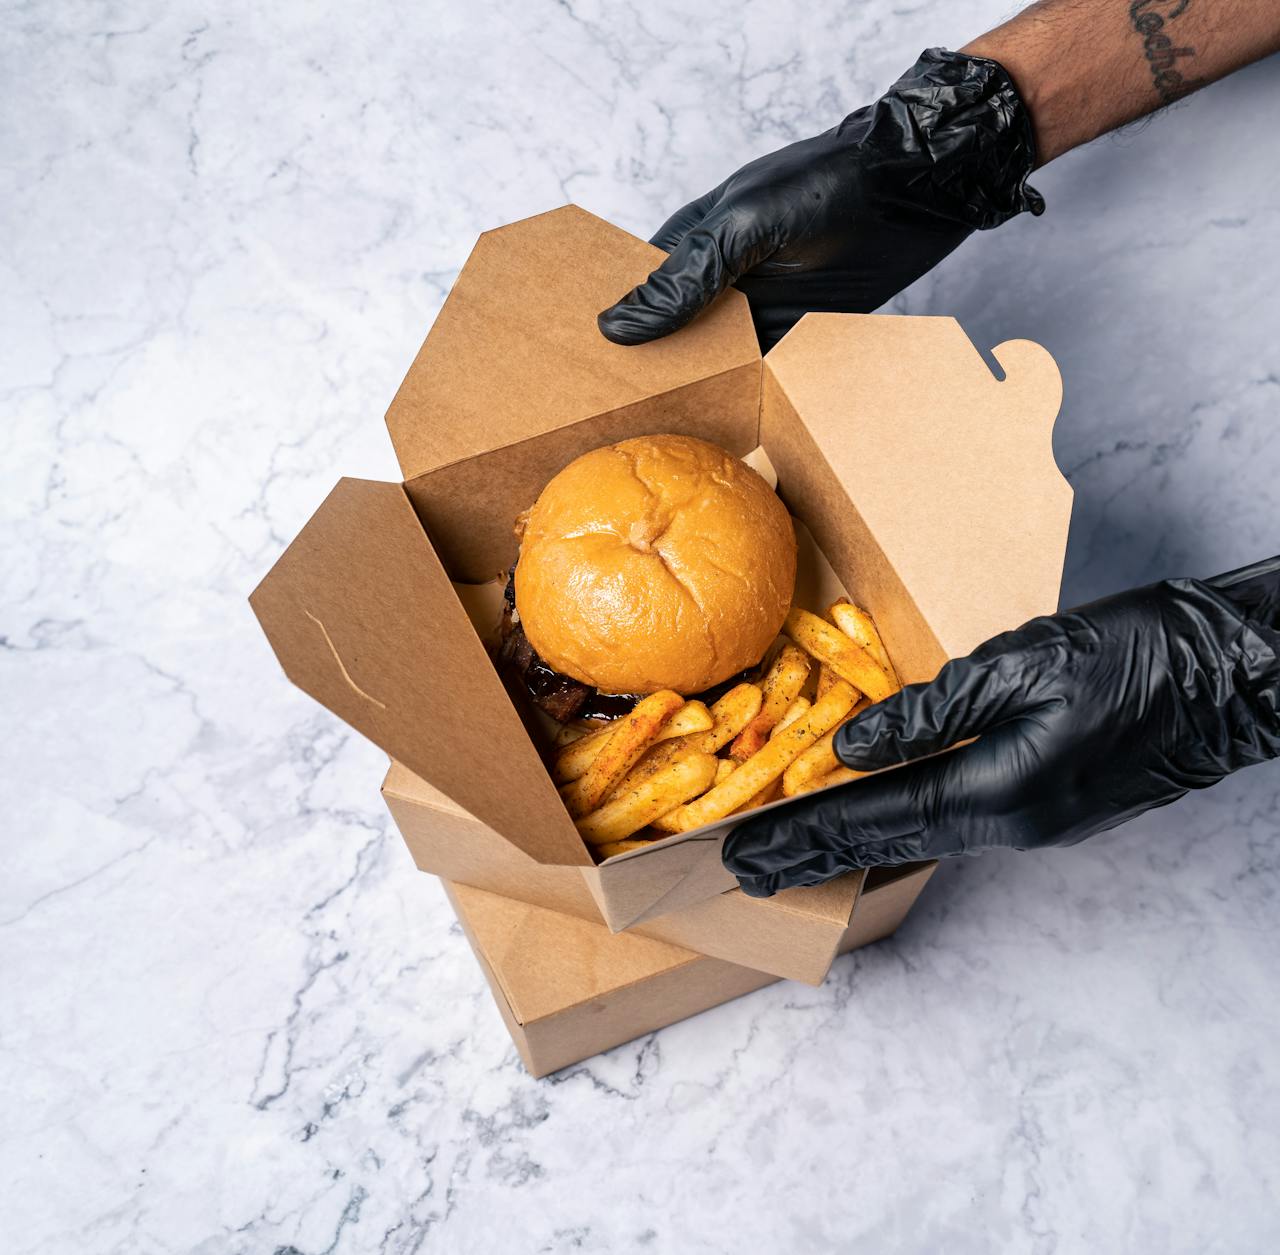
(568,989)
(928,483)
(794,934)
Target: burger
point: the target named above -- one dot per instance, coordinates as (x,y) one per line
(662,562)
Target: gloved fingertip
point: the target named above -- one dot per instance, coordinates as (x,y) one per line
(628,323)
(750,854)
(864,747)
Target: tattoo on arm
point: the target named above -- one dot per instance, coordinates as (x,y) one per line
(1156,22)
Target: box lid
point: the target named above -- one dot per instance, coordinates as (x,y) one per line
(515,351)
(362,616)
(950,467)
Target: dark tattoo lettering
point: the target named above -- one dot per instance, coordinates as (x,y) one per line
(1151,19)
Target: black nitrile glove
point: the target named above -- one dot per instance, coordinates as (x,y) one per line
(1083,719)
(844,221)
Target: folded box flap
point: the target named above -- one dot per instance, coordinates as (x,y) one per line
(515,351)
(363,617)
(663,878)
(950,468)
(831,902)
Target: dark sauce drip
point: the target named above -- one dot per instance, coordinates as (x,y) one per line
(562,697)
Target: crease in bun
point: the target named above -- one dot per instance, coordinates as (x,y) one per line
(659,562)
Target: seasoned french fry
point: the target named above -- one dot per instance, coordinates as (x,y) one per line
(794,711)
(860,628)
(691,717)
(818,760)
(633,735)
(747,742)
(841,775)
(770,793)
(780,688)
(741,704)
(826,678)
(731,714)
(687,777)
(574,759)
(767,764)
(728,717)
(654,760)
(666,824)
(625,846)
(848,660)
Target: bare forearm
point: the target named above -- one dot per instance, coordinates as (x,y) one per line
(1085,67)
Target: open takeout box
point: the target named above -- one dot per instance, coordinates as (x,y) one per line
(927,482)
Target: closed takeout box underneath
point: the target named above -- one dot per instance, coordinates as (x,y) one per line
(793,934)
(568,989)
(926,482)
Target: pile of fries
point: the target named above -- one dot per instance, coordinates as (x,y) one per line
(672,765)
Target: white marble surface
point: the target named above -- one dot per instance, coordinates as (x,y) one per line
(232,1016)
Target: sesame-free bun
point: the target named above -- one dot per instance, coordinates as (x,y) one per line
(660,562)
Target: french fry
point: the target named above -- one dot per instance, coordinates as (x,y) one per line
(731,714)
(860,628)
(728,717)
(574,759)
(678,782)
(826,678)
(625,846)
(633,735)
(769,793)
(841,775)
(794,711)
(780,688)
(691,717)
(848,660)
(750,739)
(767,764)
(818,760)
(665,823)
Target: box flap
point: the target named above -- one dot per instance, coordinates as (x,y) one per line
(791,935)
(363,617)
(832,902)
(884,904)
(950,468)
(515,351)
(546,962)
(664,877)
(401,782)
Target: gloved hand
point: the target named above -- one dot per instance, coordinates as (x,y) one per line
(1083,719)
(845,220)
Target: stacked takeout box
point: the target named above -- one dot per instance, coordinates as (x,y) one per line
(928,489)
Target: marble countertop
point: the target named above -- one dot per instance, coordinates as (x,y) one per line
(233,1018)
